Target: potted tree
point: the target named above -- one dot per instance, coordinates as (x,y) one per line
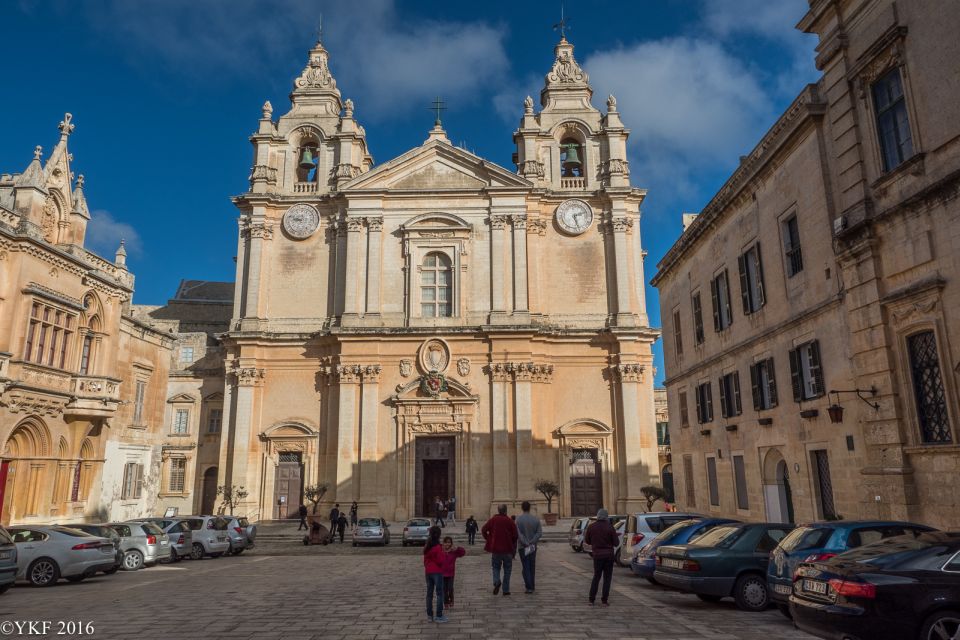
(653,493)
(550,490)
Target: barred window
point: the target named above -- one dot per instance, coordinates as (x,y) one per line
(928,390)
(178,472)
(436,286)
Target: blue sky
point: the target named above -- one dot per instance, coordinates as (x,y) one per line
(165,93)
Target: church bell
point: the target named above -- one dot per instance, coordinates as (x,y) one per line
(307,160)
(571,160)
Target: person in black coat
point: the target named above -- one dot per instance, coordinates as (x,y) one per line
(303,517)
(341,526)
(334,516)
(472,528)
(603,538)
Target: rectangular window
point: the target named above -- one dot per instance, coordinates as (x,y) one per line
(791,246)
(720,293)
(677,335)
(697,319)
(688,481)
(186,355)
(141,392)
(821,467)
(684,412)
(663,434)
(132,481)
(751,280)
(181,421)
(764,384)
(740,482)
(704,403)
(712,481)
(178,472)
(806,372)
(928,390)
(85,354)
(730,395)
(214,420)
(893,125)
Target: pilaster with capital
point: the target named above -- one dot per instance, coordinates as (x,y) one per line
(498,225)
(374,258)
(620,226)
(369,406)
(354,281)
(257,231)
(520,303)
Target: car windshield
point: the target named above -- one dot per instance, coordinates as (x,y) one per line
(369,522)
(418,523)
(803,538)
(151,528)
(720,537)
(889,552)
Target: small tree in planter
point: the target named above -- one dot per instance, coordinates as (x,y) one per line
(232,496)
(653,493)
(314,493)
(550,490)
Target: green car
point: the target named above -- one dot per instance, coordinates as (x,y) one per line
(728,561)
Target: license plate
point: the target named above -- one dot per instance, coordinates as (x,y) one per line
(673,564)
(815,587)
(221,539)
(783,589)
(369,533)
(5,555)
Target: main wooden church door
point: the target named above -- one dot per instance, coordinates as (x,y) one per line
(289,485)
(435,460)
(586,491)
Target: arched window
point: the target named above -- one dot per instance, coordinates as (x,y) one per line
(436,286)
(571,158)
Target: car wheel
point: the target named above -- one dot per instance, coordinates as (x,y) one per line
(707,598)
(751,593)
(942,624)
(196,551)
(132,560)
(174,556)
(785,610)
(43,572)
(79,578)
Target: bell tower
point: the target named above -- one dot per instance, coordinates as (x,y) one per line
(570,145)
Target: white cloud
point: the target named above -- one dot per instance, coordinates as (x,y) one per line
(104,233)
(769,18)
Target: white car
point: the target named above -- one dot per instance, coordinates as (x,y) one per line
(641,528)
(46,554)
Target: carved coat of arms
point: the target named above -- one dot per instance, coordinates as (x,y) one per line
(433,384)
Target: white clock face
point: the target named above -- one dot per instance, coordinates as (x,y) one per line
(301,220)
(574,216)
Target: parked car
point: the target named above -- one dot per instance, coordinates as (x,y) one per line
(821,541)
(250,530)
(103,531)
(907,587)
(416,531)
(143,544)
(643,527)
(46,554)
(644,561)
(729,560)
(209,535)
(178,532)
(371,531)
(8,561)
(577,529)
(236,536)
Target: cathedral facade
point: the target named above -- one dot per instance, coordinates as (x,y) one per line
(438,325)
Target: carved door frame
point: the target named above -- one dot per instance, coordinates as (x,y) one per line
(585,433)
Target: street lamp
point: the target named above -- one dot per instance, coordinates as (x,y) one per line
(835,410)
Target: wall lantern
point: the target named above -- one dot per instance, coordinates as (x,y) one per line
(835,410)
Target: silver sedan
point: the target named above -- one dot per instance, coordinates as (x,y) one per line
(46,554)
(371,531)
(416,531)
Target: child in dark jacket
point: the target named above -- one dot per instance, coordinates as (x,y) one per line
(472,528)
(450,568)
(434,559)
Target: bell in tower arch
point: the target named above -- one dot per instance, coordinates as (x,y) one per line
(307,159)
(571,161)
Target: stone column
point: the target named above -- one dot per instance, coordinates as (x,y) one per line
(354,276)
(369,405)
(374,242)
(500,449)
(638,455)
(520,304)
(498,224)
(641,280)
(238,472)
(621,225)
(536,229)
(523,421)
(240,296)
(258,232)
(348,377)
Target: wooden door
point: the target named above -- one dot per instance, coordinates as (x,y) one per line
(208,499)
(586,492)
(289,485)
(435,483)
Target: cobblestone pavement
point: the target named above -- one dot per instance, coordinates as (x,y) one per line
(339,592)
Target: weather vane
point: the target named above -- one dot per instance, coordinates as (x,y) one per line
(562,26)
(438,106)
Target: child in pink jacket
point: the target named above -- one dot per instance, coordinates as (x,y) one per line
(450,556)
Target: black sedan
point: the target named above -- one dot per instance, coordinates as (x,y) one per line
(896,589)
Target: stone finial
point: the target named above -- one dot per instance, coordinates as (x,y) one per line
(348,108)
(65,126)
(120,259)
(267,110)
(37,152)
(528,105)
(611,104)
(80,180)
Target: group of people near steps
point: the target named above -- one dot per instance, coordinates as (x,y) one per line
(504,539)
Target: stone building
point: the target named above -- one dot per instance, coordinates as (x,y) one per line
(852,196)
(80,381)
(438,325)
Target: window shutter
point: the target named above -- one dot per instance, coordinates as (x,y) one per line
(737,407)
(761,292)
(755,386)
(677,334)
(772,386)
(697,319)
(699,398)
(816,371)
(795,375)
(716,305)
(724,408)
(139,486)
(126,482)
(726,299)
(744,283)
(709,402)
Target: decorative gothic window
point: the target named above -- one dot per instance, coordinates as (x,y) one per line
(436,286)
(928,390)
(49,333)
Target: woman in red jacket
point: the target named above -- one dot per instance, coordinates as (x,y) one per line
(434,559)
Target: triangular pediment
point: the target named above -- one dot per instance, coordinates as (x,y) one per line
(182,398)
(437,166)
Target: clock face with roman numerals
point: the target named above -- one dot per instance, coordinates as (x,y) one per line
(301,220)
(574,216)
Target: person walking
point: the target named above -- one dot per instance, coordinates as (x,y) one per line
(353,514)
(341,526)
(472,527)
(450,568)
(500,534)
(452,509)
(530,531)
(603,538)
(438,512)
(303,517)
(434,558)
(334,516)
